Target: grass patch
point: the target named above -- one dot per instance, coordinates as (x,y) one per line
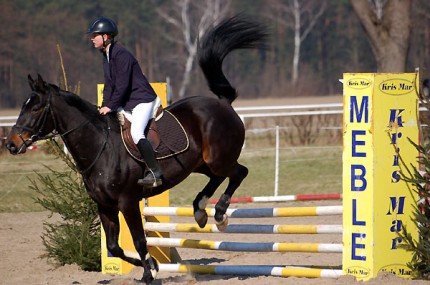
(302,170)
(305,170)
(15,174)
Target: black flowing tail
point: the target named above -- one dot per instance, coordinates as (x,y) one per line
(238,32)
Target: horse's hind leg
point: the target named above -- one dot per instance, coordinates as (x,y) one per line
(202,198)
(235,179)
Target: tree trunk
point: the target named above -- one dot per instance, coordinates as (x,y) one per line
(205,15)
(187,71)
(388,29)
(297,41)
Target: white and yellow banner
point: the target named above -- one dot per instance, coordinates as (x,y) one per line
(380,115)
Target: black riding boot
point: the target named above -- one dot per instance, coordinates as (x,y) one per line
(153,175)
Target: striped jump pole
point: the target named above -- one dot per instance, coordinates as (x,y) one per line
(245,228)
(249,213)
(252,270)
(285,198)
(245,246)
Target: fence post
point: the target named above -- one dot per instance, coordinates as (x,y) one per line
(277,162)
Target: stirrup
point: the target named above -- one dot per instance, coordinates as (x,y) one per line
(150,181)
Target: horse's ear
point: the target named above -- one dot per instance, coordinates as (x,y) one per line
(31,83)
(37,85)
(40,83)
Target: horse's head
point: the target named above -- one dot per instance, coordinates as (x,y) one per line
(34,121)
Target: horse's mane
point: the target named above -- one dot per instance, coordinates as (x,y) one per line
(87,109)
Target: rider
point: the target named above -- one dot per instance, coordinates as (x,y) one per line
(126,88)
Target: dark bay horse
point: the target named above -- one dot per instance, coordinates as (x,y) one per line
(216,135)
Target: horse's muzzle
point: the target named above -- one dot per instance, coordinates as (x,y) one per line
(14,148)
(11,147)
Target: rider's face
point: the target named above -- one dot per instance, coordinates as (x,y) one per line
(97,40)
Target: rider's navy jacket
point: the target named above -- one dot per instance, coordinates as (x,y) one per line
(125,85)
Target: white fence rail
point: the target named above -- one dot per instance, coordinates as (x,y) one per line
(253,112)
(7,121)
(257,112)
(289,111)
(289,107)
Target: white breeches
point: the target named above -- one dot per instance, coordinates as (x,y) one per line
(139,118)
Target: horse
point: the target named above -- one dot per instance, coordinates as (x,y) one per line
(215,131)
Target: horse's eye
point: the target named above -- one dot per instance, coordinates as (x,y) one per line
(35,109)
(34,103)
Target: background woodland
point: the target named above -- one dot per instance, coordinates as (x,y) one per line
(312,43)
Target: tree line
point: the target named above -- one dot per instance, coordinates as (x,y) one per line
(312,43)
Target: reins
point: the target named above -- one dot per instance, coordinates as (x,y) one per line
(100,150)
(99,153)
(40,124)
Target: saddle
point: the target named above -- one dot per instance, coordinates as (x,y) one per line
(165,133)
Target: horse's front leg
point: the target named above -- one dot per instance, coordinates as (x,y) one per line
(110,223)
(133,218)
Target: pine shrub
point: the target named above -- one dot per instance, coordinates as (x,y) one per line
(75,239)
(420,263)
(419,179)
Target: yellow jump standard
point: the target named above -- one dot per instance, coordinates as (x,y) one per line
(380,114)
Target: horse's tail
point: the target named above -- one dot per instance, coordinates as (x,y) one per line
(238,32)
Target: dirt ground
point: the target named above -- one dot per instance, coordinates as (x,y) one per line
(21,248)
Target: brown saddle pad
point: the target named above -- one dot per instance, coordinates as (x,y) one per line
(165,133)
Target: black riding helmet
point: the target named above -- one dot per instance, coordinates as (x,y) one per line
(103,25)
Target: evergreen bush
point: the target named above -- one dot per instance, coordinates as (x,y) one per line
(419,179)
(76,238)
(420,263)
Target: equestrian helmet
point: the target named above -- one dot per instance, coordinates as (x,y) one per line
(103,25)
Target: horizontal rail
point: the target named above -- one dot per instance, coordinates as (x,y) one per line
(248,270)
(291,114)
(295,107)
(289,107)
(245,228)
(252,270)
(246,246)
(8,121)
(6,118)
(284,198)
(249,213)
(239,110)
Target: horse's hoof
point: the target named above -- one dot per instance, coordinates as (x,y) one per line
(147,278)
(201,218)
(151,274)
(223,224)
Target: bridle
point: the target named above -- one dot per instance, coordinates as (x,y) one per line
(37,129)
